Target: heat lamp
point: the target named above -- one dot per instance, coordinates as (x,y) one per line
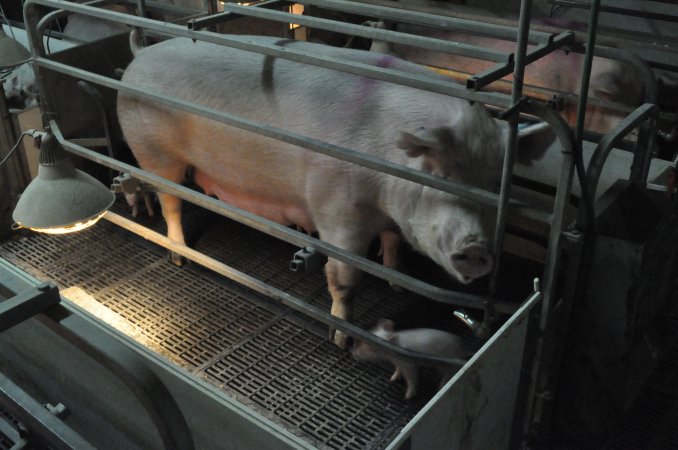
(61,199)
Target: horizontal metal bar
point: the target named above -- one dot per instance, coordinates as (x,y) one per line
(501,70)
(440,45)
(26,304)
(54,15)
(426,19)
(659,58)
(214,19)
(645,9)
(281,232)
(156,6)
(279,295)
(91,142)
(43,426)
(362,159)
(432,84)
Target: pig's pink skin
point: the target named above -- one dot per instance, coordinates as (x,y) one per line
(348,205)
(423,340)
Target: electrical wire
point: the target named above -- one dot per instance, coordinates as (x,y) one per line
(25,133)
(9,25)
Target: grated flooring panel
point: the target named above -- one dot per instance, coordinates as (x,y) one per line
(262,354)
(257,352)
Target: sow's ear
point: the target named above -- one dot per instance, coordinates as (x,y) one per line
(423,141)
(433,144)
(533,142)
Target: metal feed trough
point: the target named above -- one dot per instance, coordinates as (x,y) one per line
(145,355)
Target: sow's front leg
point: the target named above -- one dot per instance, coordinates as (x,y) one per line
(173,170)
(342,279)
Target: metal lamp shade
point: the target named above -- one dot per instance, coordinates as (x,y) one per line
(11,52)
(61,199)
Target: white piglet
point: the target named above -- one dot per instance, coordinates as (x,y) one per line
(424,340)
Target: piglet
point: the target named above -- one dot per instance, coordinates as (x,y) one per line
(425,340)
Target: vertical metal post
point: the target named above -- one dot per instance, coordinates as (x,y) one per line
(509,152)
(541,392)
(141,4)
(581,107)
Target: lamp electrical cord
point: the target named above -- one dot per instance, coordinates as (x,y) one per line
(32,132)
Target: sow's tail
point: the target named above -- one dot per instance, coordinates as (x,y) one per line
(135,43)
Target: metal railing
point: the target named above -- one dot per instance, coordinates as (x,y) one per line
(514,103)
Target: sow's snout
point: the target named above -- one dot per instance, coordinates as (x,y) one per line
(472,261)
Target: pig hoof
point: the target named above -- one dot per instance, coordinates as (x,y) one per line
(341,340)
(409,395)
(176,259)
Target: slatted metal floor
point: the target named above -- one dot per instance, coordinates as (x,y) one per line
(262,354)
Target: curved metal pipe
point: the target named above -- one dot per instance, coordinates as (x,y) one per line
(611,139)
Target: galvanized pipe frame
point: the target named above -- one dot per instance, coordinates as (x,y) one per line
(646,112)
(555,235)
(74,72)
(511,139)
(370,162)
(279,231)
(492,74)
(221,17)
(547,42)
(477,195)
(284,233)
(281,296)
(395,37)
(430,84)
(480,28)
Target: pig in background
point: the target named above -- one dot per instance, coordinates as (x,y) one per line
(20,87)
(82,28)
(425,340)
(346,204)
(611,81)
